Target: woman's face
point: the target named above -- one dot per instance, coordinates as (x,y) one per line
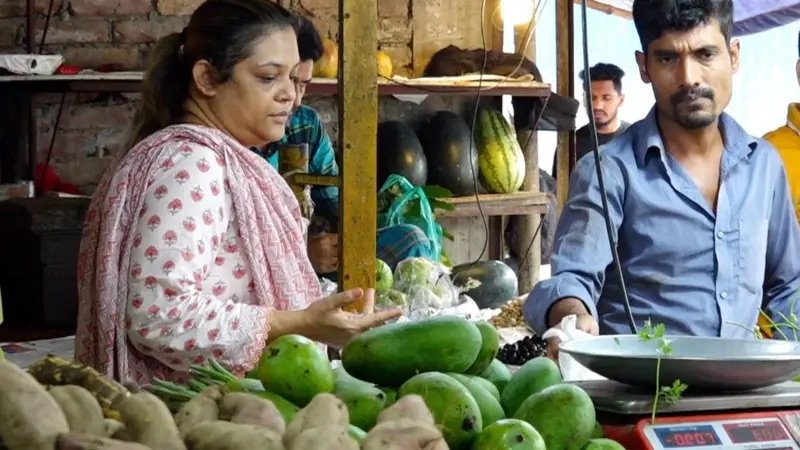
(255,104)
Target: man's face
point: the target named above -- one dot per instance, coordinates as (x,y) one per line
(605,102)
(691,72)
(304,70)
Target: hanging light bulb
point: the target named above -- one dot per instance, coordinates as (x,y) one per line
(516,12)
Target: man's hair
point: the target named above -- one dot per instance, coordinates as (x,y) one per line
(309,43)
(653,17)
(605,72)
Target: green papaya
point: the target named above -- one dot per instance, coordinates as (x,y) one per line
(486,384)
(391,396)
(531,378)
(597,433)
(285,407)
(490,345)
(563,414)
(454,410)
(491,411)
(364,401)
(509,434)
(391,354)
(603,444)
(498,374)
(295,368)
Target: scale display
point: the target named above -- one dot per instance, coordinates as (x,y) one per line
(762,434)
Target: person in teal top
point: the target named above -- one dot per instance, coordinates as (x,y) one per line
(305,126)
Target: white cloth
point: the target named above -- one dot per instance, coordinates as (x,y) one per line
(567,331)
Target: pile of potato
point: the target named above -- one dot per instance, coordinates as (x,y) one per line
(72,417)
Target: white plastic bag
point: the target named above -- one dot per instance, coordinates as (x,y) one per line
(567,331)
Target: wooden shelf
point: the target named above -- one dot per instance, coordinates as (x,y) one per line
(516,204)
(131,82)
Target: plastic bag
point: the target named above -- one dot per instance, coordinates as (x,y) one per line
(401,203)
(567,331)
(427,286)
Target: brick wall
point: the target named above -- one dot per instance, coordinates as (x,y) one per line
(93,32)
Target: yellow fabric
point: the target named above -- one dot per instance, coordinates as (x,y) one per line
(787,141)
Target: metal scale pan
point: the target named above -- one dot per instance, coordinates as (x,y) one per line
(705,364)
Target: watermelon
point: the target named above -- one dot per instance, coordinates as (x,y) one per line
(498,282)
(400,152)
(500,158)
(448,145)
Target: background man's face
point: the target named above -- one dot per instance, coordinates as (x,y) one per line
(304,70)
(605,102)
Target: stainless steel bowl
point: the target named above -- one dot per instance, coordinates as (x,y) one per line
(703,363)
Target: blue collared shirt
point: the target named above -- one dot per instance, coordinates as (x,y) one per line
(698,271)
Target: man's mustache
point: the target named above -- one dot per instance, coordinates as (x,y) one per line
(687,95)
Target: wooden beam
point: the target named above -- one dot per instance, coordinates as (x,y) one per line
(358,124)
(565,53)
(608,9)
(529,241)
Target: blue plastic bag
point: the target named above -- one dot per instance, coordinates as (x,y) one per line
(400,202)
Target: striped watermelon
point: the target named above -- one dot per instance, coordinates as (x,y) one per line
(500,158)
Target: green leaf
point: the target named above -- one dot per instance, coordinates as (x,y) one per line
(438,204)
(434,191)
(447,235)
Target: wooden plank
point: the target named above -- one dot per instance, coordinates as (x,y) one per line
(469,234)
(132,82)
(518,203)
(358,123)
(439,23)
(564,61)
(608,9)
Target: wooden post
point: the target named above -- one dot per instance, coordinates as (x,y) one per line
(358,124)
(565,48)
(528,242)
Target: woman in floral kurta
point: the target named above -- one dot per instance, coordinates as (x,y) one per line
(193,246)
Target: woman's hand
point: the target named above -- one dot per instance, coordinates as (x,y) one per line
(326,321)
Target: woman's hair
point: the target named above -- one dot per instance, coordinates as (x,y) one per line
(221,32)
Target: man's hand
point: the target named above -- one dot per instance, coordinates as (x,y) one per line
(323,251)
(565,307)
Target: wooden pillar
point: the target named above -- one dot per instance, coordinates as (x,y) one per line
(529,242)
(358,123)
(565,48)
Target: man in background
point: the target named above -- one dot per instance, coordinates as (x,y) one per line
(607,97)
(305,127)
(787,140)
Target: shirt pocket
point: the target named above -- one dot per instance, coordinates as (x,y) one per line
(753,235)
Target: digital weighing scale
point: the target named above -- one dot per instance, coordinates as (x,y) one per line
(767,418)
(738,396)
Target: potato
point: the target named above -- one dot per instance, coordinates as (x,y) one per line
(82,410)
(82,441)
(404,434)
(329,438)
(408,407)
(202,408)
(30,418)
(241,407)
(219,435)
(325,410)
(148,421)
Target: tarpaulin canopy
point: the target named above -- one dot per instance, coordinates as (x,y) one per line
(750,16)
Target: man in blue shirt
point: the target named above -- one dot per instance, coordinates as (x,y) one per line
(701,211)
(305,126)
